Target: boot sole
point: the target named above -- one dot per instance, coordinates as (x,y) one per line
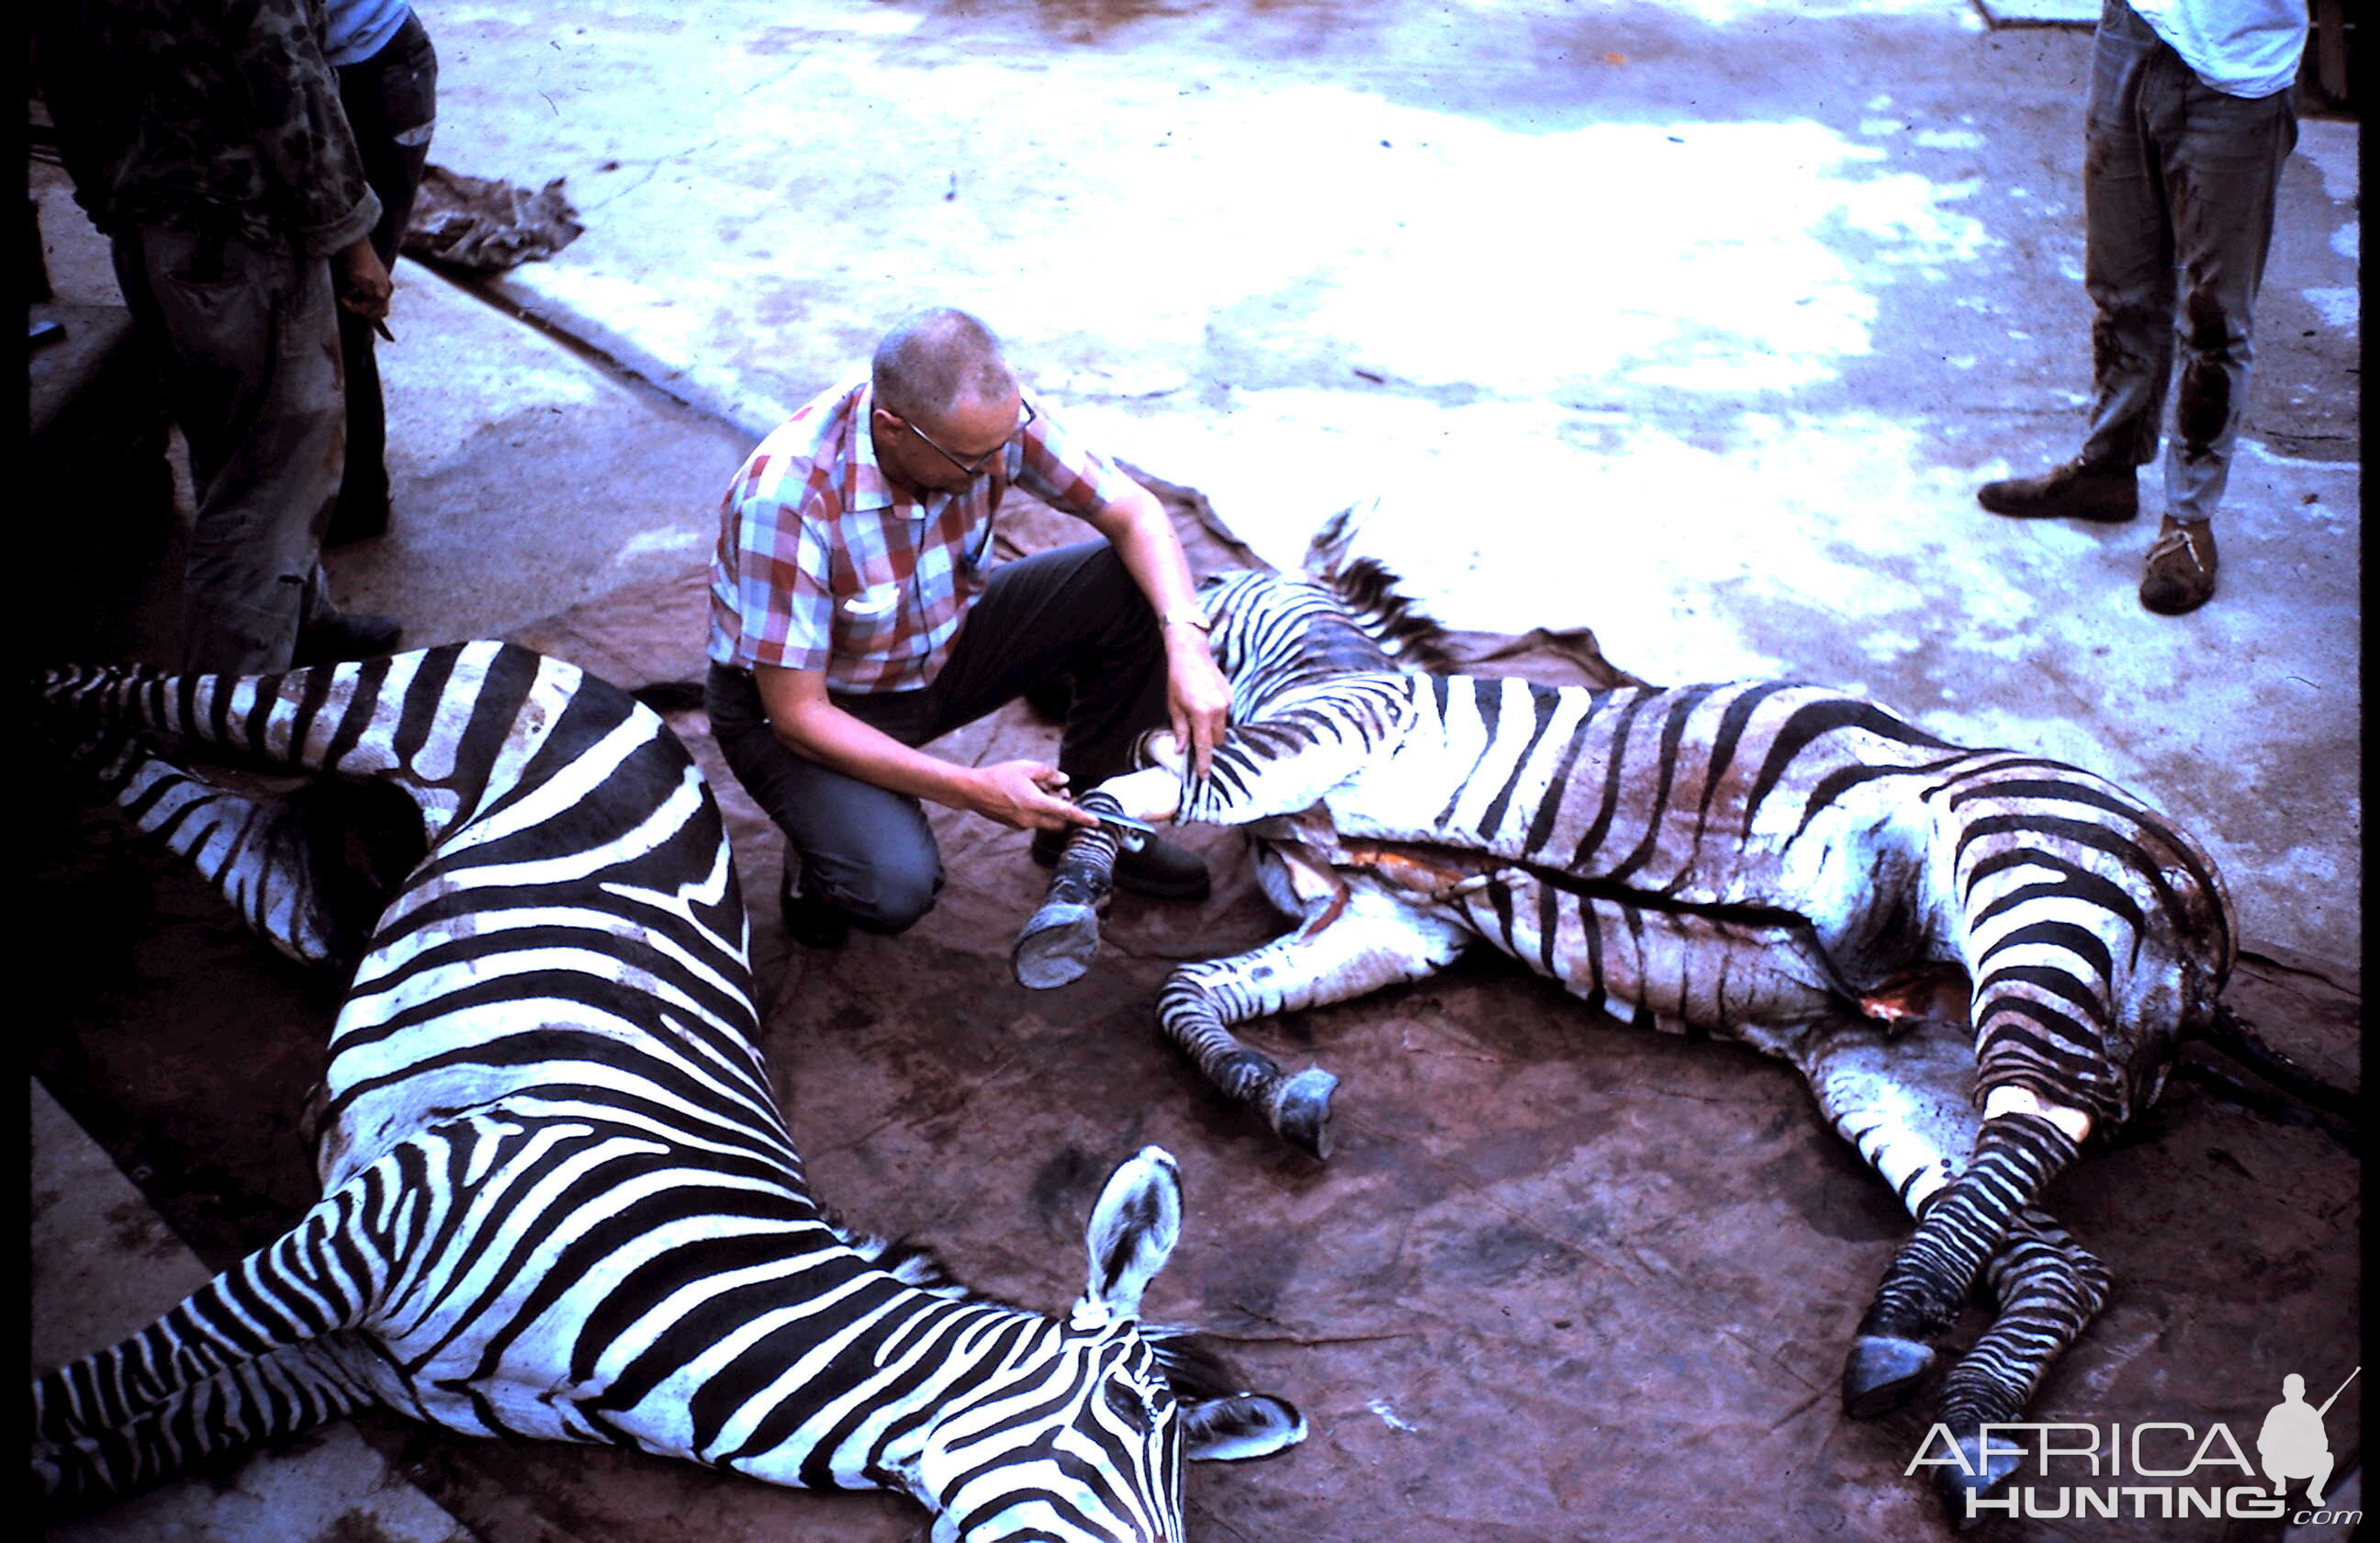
(2095,517)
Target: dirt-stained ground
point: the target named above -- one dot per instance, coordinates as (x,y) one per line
(1561,1278)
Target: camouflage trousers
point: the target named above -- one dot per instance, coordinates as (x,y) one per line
(248,340)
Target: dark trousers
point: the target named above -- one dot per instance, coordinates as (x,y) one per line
(2179,181)
(243,337)
(1071,618)
(390,101)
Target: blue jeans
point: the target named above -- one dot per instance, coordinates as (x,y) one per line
(2179,182)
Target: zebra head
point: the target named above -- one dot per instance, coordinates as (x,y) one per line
(1078,1434)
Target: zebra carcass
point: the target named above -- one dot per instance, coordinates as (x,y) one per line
(1975,957)
(558,1198)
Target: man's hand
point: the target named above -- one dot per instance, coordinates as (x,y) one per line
(1026,795)
(1198,700)
(361,281)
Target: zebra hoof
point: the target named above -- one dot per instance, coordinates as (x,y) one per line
(1056,947)
(1301,1110)
(1883,1373)
(1970,1479)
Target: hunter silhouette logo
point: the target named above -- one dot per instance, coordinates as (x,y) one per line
(2081,1470)
(2293,1443)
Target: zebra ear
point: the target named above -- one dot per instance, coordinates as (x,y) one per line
(1246,1425)
(1131,1233)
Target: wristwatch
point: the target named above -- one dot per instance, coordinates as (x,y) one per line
(1186,615)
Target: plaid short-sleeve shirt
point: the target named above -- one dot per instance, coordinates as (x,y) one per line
(821,564)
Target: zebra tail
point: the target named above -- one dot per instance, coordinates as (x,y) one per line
(2237,1038)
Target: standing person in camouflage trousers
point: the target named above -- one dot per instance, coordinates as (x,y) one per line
(205,138)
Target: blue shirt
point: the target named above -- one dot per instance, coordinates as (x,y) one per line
(361,29)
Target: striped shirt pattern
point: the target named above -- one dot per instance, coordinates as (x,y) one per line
(823,564)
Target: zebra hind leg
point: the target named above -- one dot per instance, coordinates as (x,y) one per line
(2048,1288)
(242,1358)
(307,871)
(1899,1096)
(1963,1228)
(277,1395)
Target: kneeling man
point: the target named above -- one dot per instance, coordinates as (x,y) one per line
(855,616)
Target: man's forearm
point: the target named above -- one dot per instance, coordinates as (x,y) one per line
(805,723)
(833,738)
(1025,794)
(1198,700)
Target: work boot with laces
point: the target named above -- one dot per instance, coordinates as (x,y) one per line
(2105,494)
(2180,575)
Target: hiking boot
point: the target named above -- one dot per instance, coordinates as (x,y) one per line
(2180,574)
(336,639)
(1160,871)
(811,922)
(2107,495)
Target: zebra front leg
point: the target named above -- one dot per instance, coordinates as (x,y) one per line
(1343,951)
(2024,1144)
(1060,940)
(1061,937)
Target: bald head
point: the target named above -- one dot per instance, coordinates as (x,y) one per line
(937,361)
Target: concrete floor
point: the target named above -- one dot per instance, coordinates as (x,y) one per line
(1696,323)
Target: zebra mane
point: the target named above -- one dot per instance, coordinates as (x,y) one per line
(1370,591)
(1192,1367)
(912,1264)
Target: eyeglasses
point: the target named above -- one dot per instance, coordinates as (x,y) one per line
(976,466)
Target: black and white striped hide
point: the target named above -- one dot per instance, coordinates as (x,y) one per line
(559,1199)
(1777,863)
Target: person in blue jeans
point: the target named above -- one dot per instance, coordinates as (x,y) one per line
(2191,114)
